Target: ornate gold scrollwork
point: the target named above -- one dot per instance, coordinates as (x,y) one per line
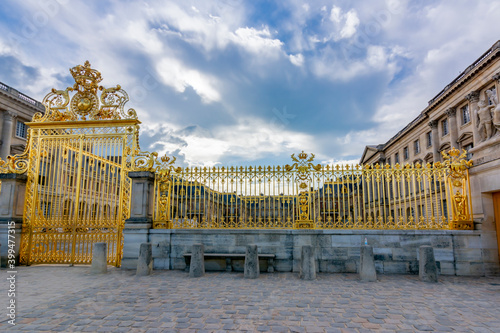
(163,168)
(458,186)
(303,165)
(17,163)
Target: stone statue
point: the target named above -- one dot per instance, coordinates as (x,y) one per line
(492,95)
(485,121)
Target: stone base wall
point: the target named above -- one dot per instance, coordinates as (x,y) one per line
(336,251)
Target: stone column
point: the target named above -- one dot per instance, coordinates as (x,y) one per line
(435,140)
(473,98)
(136,230)
(452,120)
(1,122)
(13,187)
(7,129)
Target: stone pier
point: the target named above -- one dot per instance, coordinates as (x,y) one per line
(99,258)
(197,267)
(252,270)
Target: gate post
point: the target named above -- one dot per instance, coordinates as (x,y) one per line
(12,190)
(136,229)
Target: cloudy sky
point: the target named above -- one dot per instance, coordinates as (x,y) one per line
(251,82)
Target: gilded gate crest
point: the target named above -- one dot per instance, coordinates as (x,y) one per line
(85,104)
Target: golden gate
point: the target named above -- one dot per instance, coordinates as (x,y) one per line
(77,160)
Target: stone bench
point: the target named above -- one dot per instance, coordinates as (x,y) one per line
(232,256)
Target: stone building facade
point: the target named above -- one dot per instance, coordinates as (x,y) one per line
(16,109)
(464,115)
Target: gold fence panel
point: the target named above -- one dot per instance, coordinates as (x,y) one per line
(308,196)
(219,197)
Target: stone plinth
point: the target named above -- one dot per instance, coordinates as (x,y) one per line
(99,258)
(367,271)
(145,261)
(308,263)
(197,267)
(252,270)
(457,252)
(427,264)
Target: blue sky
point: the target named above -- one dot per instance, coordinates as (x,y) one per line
(251,82)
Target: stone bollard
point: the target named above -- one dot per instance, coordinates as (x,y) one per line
(99,258)
(308,264)
(197,267)
(367,270)
(252,270)
(145,261)
(427,264)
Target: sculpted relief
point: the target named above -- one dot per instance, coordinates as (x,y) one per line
(495,107)
(488,115)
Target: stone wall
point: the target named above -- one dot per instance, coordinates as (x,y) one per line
(337,251)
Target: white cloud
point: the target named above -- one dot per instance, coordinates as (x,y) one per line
(178,76)
(351,23)
(340,163)
(250,139)
(346,24)
(204,25)
(331,67)
(145,38)
(297,60)
(256,41)
(336,14)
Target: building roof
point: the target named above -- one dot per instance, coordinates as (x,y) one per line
(22,98)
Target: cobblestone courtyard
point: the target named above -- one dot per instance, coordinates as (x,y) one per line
(69,299)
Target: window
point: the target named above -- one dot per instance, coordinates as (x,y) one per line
(417,146)
(429,139)
(444,125)
(465,115)
(406,153)
(422,211)
(396,158)
(21,130)
(467,148)
(388,161)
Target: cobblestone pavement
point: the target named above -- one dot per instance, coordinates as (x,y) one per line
(69,299)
